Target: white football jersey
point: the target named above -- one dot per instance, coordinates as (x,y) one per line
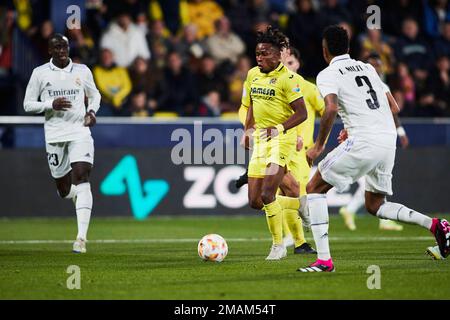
(74,82)
(363,104)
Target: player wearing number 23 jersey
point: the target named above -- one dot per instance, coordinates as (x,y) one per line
(60,89)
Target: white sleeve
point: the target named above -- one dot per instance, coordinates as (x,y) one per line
(105,41)
(92,92)
(327,83)
(31,101)
(143,49)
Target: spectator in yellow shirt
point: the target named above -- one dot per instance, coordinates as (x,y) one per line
(203,13)
(373,41)
(113,82)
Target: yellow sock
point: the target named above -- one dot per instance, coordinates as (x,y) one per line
(288,202)
(295,226)
(274,217)
(286,230)
(290,215)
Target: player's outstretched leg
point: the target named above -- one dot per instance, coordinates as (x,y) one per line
(377,205)
(290,206)
(83,208)
(292,223)
(317,208)
(83,204)
(273,209)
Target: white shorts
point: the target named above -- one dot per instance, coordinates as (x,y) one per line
(353,159)
(61,154)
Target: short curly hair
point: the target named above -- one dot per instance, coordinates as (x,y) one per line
(273,36)
(337,40)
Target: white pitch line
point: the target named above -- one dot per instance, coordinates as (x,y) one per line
(187,240)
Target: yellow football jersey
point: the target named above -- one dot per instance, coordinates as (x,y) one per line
(314,104)
(270,94)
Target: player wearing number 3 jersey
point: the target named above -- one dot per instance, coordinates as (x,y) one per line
(355,91)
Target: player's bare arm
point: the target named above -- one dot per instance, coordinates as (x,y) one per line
(404,141)
(300,115)
(392,103)
(248,128)
(249,120)
(326,123)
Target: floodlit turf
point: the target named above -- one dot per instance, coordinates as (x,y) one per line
(162,263)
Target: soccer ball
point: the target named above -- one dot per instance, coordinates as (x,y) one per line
(212,247)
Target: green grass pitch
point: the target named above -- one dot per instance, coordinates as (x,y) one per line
(157,259)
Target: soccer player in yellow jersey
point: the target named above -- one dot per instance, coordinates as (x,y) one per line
(276,107)
(295,182)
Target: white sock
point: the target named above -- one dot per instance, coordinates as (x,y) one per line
(398,212)
(318,211)
(72,193)
(357,201)
(83,207)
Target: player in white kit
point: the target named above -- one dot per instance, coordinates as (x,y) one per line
(348,212)
(355,91)
(59,88)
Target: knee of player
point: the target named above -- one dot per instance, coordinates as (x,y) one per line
(293,190)
(80,179)
(63,191)
(267,196)
(80,173)
(255,204)
(80,176)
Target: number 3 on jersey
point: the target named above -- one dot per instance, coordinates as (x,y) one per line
(371,104)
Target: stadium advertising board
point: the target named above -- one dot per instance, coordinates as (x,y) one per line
(144,182)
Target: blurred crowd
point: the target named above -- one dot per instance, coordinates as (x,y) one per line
(191,57)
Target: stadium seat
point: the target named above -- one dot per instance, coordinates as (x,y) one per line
(165,114)
(230,116)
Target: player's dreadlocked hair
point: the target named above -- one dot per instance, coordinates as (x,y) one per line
(273,36)
(337,40)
